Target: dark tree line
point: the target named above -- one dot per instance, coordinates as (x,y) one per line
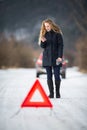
(79,14)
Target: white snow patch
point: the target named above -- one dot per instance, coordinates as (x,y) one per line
(36,97)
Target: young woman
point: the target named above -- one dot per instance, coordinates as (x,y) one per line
(51,41)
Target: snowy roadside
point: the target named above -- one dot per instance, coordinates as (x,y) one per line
(69,112)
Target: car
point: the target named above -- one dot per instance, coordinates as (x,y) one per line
(40,70)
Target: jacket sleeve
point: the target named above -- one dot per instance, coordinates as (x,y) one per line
(43,44)
(60,45)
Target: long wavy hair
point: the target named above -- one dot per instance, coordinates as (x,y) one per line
(54,27)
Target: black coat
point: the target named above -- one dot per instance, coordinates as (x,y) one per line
(53,48)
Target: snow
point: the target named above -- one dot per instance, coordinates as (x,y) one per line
(68,113)
(36,97)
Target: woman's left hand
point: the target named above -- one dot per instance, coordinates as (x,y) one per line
(59,59)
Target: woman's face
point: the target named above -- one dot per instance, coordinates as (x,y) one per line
(47,27)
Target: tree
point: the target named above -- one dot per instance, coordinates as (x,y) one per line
(79,13)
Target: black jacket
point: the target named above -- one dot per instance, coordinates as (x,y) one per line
(53,48)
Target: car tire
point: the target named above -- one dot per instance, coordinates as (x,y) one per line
(64,75)
(37,75)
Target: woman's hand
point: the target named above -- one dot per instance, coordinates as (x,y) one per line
(43,39)
(59,59)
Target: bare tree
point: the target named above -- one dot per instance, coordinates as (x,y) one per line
(79,14)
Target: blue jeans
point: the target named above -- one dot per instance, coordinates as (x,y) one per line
(56,70)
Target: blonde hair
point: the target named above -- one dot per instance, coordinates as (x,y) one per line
(54,27)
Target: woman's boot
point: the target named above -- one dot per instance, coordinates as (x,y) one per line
(51,88)
(57,84)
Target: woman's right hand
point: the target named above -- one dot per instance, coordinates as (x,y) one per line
(43,39)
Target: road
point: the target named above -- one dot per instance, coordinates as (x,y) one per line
(68,113)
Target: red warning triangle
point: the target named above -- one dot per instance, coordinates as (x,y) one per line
(28,103)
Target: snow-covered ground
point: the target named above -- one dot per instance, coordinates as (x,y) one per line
(68,113)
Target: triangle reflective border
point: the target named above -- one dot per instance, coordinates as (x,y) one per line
(28,103)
